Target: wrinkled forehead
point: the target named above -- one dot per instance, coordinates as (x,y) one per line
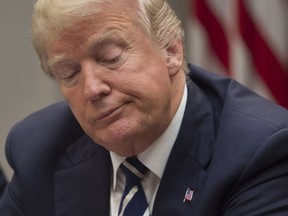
(117,14)
(106,18)
(90,34)
(101,17)
(114,24)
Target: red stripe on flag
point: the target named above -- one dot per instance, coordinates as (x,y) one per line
(215,31)
(266,63)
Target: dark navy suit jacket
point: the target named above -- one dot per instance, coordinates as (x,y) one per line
(232,151)
(2,182)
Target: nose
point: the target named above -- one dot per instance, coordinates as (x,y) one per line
(94,84)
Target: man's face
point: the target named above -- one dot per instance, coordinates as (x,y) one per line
(115,81)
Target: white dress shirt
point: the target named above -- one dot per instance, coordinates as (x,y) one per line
(154,158)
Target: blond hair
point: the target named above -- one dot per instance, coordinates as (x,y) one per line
(52,17)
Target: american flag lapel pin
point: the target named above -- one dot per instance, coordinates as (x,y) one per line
(188,195)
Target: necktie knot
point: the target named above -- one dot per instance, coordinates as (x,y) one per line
(133,170)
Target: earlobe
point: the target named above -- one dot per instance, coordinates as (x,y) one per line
(174,58)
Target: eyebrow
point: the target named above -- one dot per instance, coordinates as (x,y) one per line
(92,43)
(56,60)
(101,39)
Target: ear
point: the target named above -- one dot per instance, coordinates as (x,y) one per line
(174,58)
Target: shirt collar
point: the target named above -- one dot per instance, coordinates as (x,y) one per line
(156,155)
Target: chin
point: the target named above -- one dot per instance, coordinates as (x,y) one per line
(127,149)
(120,135)
(120,141)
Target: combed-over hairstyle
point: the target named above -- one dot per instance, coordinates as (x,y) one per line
(51,17)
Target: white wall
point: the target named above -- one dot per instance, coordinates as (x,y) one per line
(23,86)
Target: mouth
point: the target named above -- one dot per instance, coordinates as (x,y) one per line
(107,113)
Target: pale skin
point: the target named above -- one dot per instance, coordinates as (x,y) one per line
(123,90)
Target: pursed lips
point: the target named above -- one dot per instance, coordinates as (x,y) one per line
(107,113)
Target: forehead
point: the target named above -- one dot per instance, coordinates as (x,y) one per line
(64,49)
(109,21)
(118,16)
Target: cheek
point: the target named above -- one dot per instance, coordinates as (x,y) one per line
(155,103)
(75,101)
(152,92)
(72,95)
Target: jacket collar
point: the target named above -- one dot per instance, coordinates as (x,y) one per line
(82,187)
(190,156)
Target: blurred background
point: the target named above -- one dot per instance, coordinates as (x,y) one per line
(244,39)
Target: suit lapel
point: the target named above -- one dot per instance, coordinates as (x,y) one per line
(82,186)
(189,158)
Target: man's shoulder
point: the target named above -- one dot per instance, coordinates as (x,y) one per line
(244,121)
(42,135)
(54,118)
(233,101)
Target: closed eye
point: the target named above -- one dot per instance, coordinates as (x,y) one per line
(67,74)
(113,60)
(70,76)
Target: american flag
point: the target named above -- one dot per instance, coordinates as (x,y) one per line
(188,195)
(245,39)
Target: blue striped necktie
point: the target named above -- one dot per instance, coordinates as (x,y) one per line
(133,202)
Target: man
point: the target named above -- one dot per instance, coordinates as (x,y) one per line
(208,146)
